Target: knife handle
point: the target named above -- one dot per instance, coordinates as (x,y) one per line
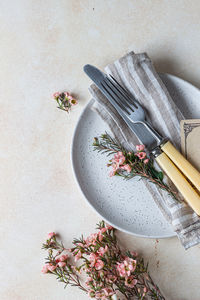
(182,163)
(184,187)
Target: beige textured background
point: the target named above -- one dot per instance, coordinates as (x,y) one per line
(44,45)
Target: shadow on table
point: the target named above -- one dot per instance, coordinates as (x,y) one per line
(175,88)
(166,65)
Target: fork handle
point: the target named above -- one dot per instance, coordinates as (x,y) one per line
(182,163)
(184,187)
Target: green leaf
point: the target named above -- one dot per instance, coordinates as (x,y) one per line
(156,174)
(160,176)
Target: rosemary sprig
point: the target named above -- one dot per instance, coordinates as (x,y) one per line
(105,144)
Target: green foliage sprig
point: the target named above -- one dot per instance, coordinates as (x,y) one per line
(133,164)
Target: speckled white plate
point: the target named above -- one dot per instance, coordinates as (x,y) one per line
(127,205)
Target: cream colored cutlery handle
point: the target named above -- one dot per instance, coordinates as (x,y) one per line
(185,188)
(183,164)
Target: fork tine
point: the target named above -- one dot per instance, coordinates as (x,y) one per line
(118,103)
(117,94)
(124,92)
(117,87)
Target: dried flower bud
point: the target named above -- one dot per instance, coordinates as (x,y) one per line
(145,289)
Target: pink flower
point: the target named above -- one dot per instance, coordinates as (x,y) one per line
(45,268)
(99,264)
(48,267)
(109,227)
(119,158)
(51,267)
(100,234)
(61,264)
(134,253)
(63,257)
(104,294)
(104,229)
(126,267)
(56,95)
(102,250)
(130,281)
(70,97)
(126,167)
(146,161)
(117,161)
(89,279)
(108,292)
(93,258)
(140,147)
(78,255)
(130,263)
(94,238)
(121,269)
(91,240)
(141,155)
(66,94)
(50,235)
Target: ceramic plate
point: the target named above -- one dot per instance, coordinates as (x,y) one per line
(127,205)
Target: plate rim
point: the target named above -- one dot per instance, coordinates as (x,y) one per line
(76,176)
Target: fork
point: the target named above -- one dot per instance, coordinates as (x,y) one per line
(167,156)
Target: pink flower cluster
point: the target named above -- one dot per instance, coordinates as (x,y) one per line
(90,241)
(95,264)
(60,262)
(103,294)
(67,97)
(64,100)
(118,162)
(60,259)
(95,261)
(105,266)
(122,162)
(141,154)
(125,270)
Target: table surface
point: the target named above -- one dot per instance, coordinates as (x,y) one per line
(44,45)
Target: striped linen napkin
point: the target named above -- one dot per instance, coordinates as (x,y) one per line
(137,74)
